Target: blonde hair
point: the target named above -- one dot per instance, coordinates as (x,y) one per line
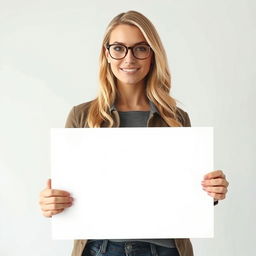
(158,80)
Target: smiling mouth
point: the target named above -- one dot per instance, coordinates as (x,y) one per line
(129,70)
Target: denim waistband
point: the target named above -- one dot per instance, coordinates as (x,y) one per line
(103,244)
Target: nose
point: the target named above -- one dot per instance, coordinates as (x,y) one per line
(129,57)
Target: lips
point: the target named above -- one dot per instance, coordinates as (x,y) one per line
(129,70)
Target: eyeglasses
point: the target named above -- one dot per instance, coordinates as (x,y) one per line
(119,51)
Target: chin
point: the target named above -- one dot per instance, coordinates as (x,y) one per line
(131,82)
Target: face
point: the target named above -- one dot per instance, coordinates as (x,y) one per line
(129,36)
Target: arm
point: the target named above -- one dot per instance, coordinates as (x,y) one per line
(71,121)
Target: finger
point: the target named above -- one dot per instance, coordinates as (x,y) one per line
(216,182)
(51,213)
(219,189)
(54,192)
(56,200)
(53,207)
(214,174)
(217,196)
(49,184)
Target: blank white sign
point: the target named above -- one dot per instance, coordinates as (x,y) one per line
(131,183)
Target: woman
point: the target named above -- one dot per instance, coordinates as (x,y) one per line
(134,92)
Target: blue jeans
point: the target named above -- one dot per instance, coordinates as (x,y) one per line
(133,248)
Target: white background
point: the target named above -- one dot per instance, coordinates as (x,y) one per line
(49,62)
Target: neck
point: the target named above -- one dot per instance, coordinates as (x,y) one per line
(132,97)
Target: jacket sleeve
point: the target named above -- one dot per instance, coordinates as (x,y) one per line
(71,121)
(187,122)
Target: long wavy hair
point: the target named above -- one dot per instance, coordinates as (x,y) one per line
(158,79)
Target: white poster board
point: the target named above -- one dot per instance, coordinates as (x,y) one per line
(131,183)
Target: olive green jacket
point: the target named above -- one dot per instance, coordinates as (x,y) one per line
(77,119)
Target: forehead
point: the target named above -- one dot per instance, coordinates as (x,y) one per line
(126,34)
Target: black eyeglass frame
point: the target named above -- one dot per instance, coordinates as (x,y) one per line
(127,49)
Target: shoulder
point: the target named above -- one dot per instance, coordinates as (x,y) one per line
(183,117)
(77,115)
(82,108)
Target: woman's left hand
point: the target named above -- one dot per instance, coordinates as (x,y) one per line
(215,184)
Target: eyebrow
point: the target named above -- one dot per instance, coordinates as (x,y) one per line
(142,42)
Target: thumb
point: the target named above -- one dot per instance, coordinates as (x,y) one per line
(49,183)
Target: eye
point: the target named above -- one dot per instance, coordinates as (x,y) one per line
(141,48)
(118,48)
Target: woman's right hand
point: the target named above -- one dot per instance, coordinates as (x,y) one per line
(53,201)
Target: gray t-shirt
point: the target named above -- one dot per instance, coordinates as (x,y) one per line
(133,118)
(139,119)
